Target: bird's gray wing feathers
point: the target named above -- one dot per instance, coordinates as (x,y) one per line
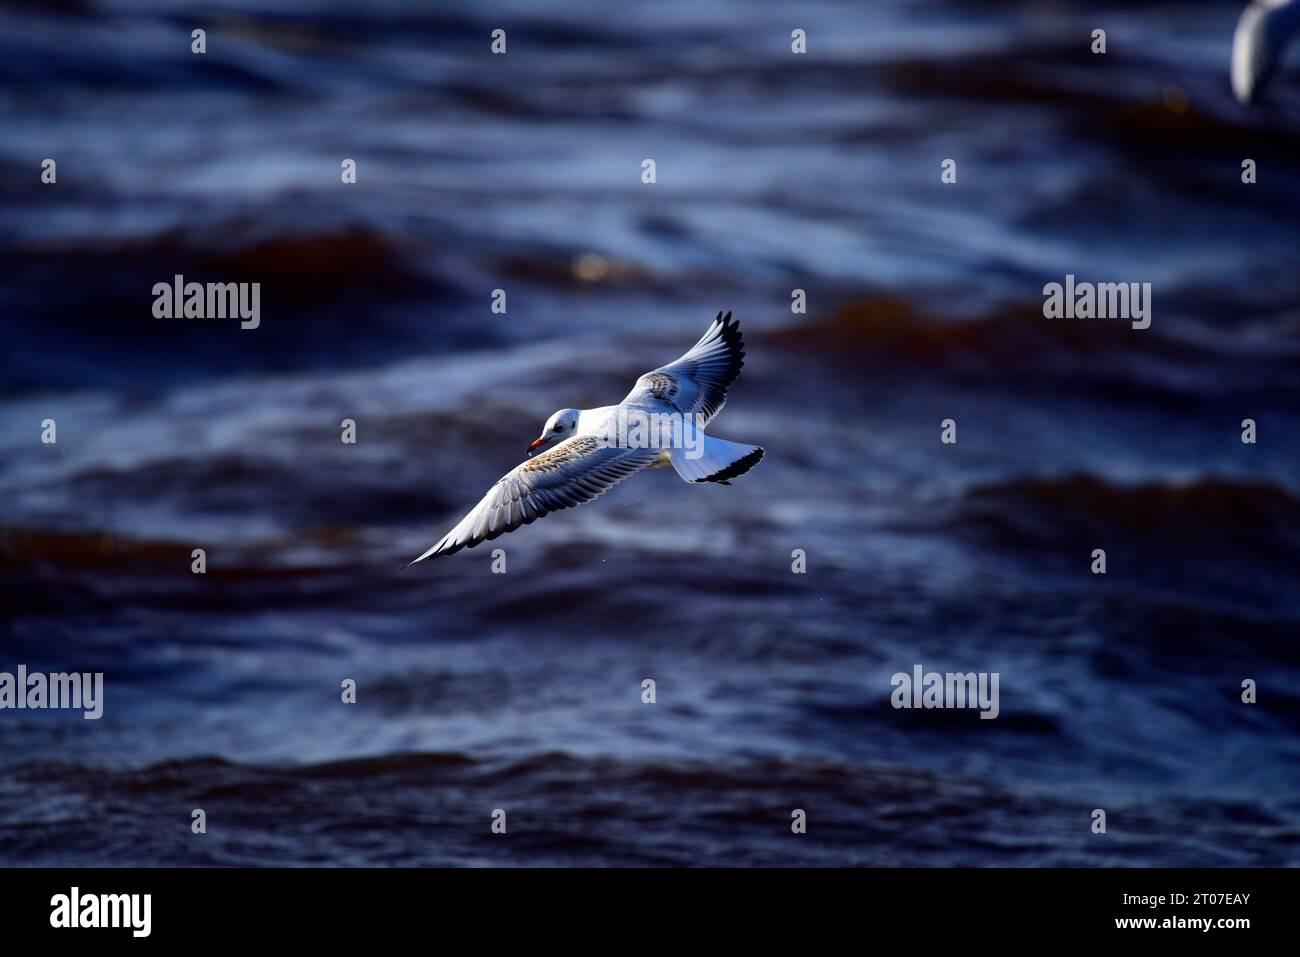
(698,381)
(573,472)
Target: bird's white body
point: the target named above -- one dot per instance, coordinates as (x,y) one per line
(659,423)
(609,420)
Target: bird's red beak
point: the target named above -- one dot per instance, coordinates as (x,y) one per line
(537,444)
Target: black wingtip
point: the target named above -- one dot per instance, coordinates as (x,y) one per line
(735,341)
(735,469)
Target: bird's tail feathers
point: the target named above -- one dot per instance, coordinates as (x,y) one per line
(720,461)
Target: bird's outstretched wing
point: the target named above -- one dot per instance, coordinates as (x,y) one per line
(698,381)
(573,472)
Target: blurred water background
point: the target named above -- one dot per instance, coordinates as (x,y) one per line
(523,692)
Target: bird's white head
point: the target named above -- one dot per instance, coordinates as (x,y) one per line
(558,428)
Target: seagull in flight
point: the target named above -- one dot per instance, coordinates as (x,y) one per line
(1265,28)
(582,453)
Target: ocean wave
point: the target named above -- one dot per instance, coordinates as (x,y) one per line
(318,285)
(1215,540)
(1017,349)
(437,809)
(1248,511)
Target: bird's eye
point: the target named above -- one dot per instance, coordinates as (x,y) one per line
(559,428)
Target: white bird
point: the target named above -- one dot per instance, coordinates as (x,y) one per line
(1265,28)
(588,451)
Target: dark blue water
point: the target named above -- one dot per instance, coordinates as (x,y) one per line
(522,691)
